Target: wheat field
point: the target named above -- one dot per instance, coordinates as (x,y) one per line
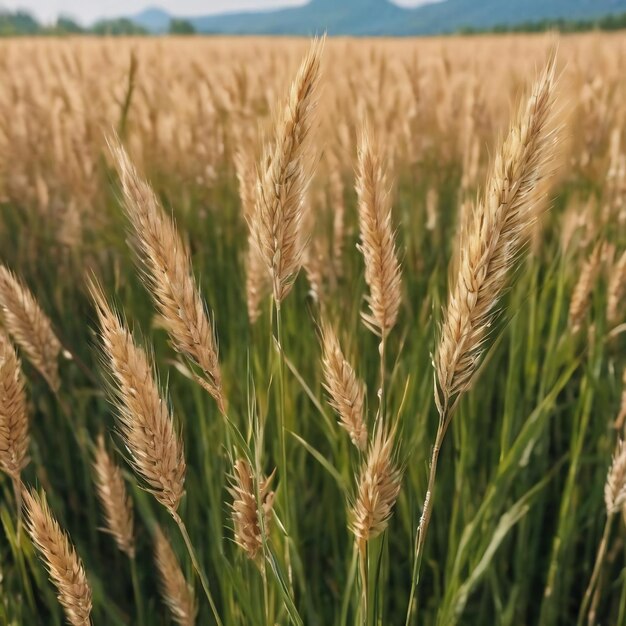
(320,332)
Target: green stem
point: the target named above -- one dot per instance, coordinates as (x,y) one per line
(136,591)
(282,438)
(196,565)
(597,568)
(420,538)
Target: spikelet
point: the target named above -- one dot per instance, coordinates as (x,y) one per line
(283,178)
(492,240)
(615,486)
(168,274)
(14,436)
(579,303)
(145,422)
(29,326)
(616,288)
(378,489)
(115,501)
(246,516)
(177,593)
(347,392)
(382,269)
(63,564)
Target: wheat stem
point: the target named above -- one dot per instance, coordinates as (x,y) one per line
(196,565)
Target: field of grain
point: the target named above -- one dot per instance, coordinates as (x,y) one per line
(313,332)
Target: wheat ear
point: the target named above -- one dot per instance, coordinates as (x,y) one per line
(145,422)
(378,489)
(14,436)
(63,564)
(579,304)
(615,291)
(168,274)
(177,593)
(346,391)
(248,526)
(116,503)
(493,239)
(257,282)
(283,178)
(382,268)
(29,326)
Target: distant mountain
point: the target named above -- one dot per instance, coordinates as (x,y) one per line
(382,17)
(153,19)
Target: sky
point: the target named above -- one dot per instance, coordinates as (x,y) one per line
(87,11)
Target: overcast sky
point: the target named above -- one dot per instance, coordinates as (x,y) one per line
(89,10)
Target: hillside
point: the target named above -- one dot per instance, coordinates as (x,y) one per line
(381,17)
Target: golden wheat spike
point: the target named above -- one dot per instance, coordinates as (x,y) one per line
(168,274)
(63,564)
(14,436)
(116,503)
(347,392)
(29,326)
(382,268)
(177,593)
(245,511)
(493,238)
(284,176)
(378,488)
(145,422)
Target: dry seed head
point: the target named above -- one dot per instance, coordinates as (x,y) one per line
(257,280)
(63,564)
(14,436)
(283,179)
(492,240)
(176,592)
(615,292)
(145,423)
(615,486)
(382,269)
(29,326)
(115,501)
(347,392)
(246,515)
(378,489)
(168,274)
(579,303)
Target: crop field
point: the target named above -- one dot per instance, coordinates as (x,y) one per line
(323,332)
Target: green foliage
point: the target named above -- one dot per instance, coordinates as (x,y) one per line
(181,27)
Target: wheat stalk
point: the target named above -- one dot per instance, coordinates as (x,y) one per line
(283,178)
(116,503)
(490,243)
(64,566)
(29,326)
(168,274)
(177,593)
(145,422)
